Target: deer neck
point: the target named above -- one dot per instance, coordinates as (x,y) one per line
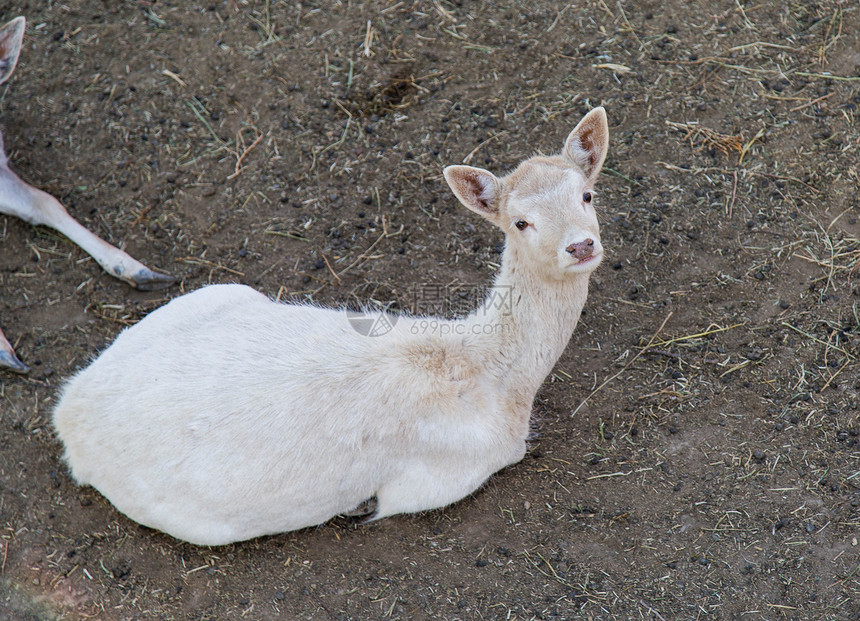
(524,325)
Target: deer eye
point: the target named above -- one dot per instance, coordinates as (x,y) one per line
(586,197)
(521,224)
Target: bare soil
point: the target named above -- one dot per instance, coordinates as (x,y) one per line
(714,470)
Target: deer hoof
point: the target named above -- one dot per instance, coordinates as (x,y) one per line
(10,361)
(365,509)
(147,280)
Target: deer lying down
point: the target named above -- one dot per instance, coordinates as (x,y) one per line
(257,417)
(38,208)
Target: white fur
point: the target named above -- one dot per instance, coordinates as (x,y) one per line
(32,205)
(224,415)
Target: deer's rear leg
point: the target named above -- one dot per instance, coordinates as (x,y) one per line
(37,207)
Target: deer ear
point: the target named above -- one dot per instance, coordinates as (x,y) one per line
(478,189)
(11,36)
(587,144)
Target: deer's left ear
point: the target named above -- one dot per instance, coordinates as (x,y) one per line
(587,144)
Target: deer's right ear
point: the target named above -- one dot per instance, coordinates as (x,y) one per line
(478,189)
(587,144)
(11,36)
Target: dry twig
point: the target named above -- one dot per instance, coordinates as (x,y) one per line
(702,137)
(626,366)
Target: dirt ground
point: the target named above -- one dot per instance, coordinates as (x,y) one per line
(713,470)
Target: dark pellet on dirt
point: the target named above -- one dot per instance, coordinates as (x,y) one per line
(279,595)
(759,455)
(673,430)
(480,563)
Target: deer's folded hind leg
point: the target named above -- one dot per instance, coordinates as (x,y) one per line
(37,207)
(8,359)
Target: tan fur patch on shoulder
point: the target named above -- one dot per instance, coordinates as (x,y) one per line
(441,360)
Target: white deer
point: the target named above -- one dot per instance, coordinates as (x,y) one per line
(38,208)
(224,416)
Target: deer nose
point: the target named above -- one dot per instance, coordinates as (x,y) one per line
(581,250)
